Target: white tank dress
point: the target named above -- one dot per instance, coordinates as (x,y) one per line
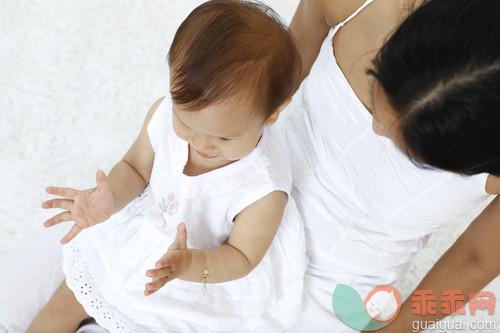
(366,207)
(105,265)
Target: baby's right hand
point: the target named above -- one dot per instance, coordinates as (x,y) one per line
(86,208)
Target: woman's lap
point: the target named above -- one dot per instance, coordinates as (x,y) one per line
(317,313)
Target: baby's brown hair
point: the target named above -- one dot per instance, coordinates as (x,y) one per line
(233,49)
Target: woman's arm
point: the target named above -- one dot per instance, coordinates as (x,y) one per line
(253,231)
(312,21)
(309,29)
(469,265)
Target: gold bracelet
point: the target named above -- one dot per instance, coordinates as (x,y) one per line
(205,271)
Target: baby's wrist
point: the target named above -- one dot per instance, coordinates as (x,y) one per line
(187,266)
(196,267)
(114,208)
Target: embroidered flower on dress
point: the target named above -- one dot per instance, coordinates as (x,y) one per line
(169,206)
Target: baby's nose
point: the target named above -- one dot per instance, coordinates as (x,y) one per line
(202,143)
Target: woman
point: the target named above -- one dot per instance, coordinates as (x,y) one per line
(432,95)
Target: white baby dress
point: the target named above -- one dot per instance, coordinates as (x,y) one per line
(105,265)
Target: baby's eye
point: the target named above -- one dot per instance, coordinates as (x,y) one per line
(225,139)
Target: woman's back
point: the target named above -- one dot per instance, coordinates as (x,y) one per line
(358,185)
(369,29)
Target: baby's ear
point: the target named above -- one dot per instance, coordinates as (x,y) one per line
(275,115)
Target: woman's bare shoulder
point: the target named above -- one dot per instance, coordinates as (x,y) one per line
(493,184)
(336,11)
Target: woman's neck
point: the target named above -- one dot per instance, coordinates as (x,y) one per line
(369,29)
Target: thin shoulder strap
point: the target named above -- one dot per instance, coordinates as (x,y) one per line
(367,2)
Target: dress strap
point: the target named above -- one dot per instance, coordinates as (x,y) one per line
(367,2)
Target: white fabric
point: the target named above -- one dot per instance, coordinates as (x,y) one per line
(105,265)
(366,207)
(30,274)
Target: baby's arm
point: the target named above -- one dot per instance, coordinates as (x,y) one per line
(253,231)
(131,175)
(125,181)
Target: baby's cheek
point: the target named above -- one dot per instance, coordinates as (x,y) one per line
(180,133)
(237,152)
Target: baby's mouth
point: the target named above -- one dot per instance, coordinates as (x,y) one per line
(205,155)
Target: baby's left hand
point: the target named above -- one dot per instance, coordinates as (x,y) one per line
(172,264)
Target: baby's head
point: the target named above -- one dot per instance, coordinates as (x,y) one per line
(235,64)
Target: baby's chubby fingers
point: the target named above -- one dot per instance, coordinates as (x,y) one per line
(66,204)
(159,273)
(155,285)
(168,259)
(71,234)
(62,217)
(162,263)
(65,192)
(102,181)
(152,287)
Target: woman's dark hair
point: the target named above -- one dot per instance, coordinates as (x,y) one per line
(441,73)
(233,49)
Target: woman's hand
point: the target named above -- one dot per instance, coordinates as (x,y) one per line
(86,208)
(172,264)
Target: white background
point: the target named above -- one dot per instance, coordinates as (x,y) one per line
(76,80)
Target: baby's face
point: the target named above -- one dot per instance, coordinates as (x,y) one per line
(219,134)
